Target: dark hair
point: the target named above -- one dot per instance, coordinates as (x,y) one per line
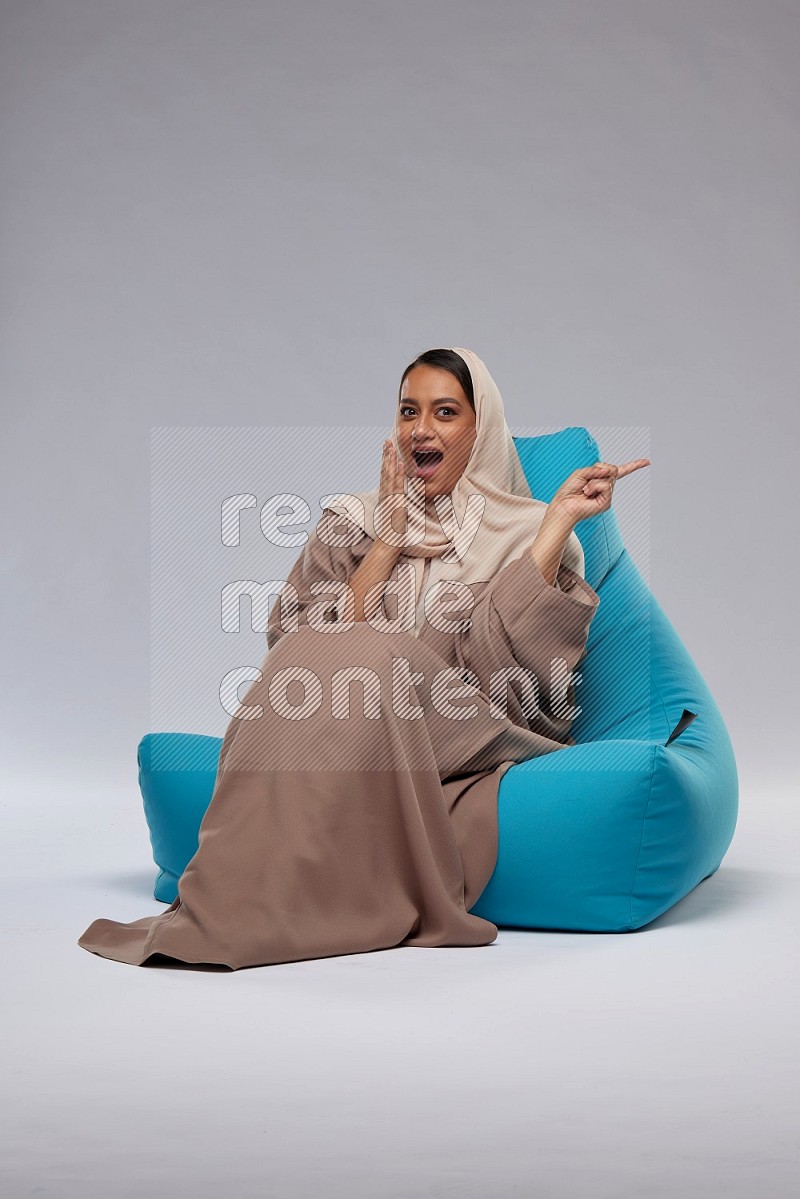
(446,360)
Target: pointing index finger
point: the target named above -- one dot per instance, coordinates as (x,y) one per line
(629,467)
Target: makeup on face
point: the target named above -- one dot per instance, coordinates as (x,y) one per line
(435,428)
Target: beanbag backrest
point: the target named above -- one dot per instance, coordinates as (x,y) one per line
(612,832)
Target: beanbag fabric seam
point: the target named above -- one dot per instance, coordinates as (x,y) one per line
(641,838)
(657,689)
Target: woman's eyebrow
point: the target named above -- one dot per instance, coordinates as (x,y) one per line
(441,400)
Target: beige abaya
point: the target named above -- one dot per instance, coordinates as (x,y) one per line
(336,830)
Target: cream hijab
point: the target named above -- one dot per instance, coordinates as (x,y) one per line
(495,531)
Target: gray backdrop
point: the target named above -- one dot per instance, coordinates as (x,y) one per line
(250,214)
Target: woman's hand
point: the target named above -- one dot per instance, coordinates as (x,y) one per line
(393,482)
(584,493)
(588,490)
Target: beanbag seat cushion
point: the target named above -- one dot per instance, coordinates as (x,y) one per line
(603,836)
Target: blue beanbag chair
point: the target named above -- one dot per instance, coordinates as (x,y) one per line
(603,836)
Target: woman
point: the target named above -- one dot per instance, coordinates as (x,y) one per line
(352,818)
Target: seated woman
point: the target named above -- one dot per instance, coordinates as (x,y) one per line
(457,602)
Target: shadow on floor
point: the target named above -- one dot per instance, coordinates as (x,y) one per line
(724,893)
(132,882)
(717,897)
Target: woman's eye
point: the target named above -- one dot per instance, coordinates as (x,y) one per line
(405,408)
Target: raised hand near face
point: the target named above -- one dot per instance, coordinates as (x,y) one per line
(393,483)
(588,490)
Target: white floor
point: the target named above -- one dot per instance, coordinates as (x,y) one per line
(657,1063)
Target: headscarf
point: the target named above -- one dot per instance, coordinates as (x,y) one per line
(508,523)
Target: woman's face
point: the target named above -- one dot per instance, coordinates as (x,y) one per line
(434,414)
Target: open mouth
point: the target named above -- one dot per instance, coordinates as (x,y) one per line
(427,462)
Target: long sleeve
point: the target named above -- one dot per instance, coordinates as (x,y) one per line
(318,562)
(521,620)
